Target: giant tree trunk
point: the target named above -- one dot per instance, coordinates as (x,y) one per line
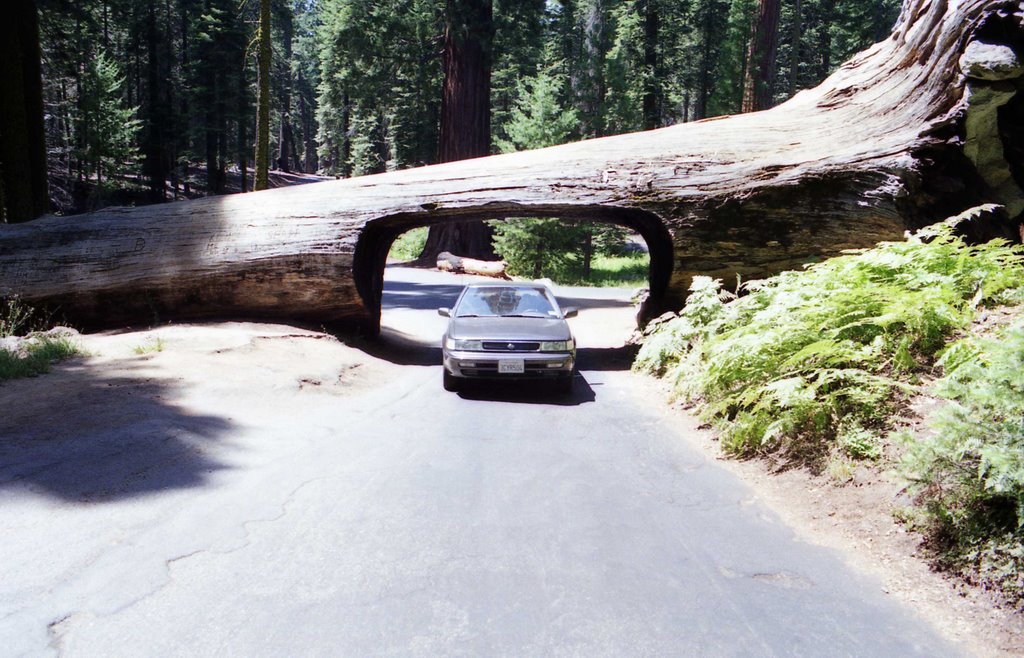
(764,44)
(897,138)
(465,117)
(23,185)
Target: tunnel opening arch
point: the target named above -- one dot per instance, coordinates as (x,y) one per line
(375,240)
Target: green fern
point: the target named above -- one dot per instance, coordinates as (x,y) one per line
(970,476)
(805,354)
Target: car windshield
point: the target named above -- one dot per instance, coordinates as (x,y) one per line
(500,301)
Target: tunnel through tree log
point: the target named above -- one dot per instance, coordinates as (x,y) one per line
(875,149)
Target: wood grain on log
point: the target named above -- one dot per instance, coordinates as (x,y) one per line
(872,151)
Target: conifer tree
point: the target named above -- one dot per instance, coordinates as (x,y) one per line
(262,159)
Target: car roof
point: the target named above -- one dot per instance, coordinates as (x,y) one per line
(507,284)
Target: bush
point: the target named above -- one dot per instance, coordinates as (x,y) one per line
(820,359)
(409,245)
(557,249)
(36,356)
(15,317)
(969,478)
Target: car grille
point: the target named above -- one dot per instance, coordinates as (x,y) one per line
(539,370)
(510,346)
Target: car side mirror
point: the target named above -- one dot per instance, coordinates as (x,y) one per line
(444,312)
(570,312)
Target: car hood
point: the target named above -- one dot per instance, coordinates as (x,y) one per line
(509,328)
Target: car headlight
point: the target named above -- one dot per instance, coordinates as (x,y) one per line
(461,345)
(557,345)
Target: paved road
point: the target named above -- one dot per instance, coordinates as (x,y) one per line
(412,522)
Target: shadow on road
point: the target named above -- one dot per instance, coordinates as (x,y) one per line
(528,392)
(606,358)
(84,436)
(399,348)
(428,296)
(405,350)
(419,296)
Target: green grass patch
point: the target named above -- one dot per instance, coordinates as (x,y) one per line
(153,345)
(409,245)
(606,272)
(39,353)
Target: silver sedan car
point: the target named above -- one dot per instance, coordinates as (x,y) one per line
(508,331)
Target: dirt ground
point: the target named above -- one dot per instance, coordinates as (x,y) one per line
(171,364)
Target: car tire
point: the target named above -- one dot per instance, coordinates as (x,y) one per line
(564,384)
(449,381)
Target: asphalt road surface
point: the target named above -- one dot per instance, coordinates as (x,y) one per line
(407,521)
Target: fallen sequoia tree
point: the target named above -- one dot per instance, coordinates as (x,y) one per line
(915,129)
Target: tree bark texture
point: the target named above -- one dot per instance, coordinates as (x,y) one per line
(764,45)
(466,96)
(876,149)
(22,137)
(465,116)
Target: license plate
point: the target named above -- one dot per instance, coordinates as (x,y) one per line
(511,366)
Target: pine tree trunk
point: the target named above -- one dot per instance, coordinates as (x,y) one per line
(185,140)
(593,85)
(794,53)
(285,141)
(263,100)
(155,163)
(704,72)
(344,158)
(824,49)
(760,70)
(652,72)
(588,254)
(22,136)
(897,138)
(310,161)
(243,133)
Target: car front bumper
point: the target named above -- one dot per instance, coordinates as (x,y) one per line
(484,365)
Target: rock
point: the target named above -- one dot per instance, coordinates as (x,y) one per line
(10,344)
(60,332)
(989,61)
(984,145)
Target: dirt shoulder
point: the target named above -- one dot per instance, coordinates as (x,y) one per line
(251,369)
(857,521)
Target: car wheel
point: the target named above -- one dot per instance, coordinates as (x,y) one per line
(565,383)
(449,381)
